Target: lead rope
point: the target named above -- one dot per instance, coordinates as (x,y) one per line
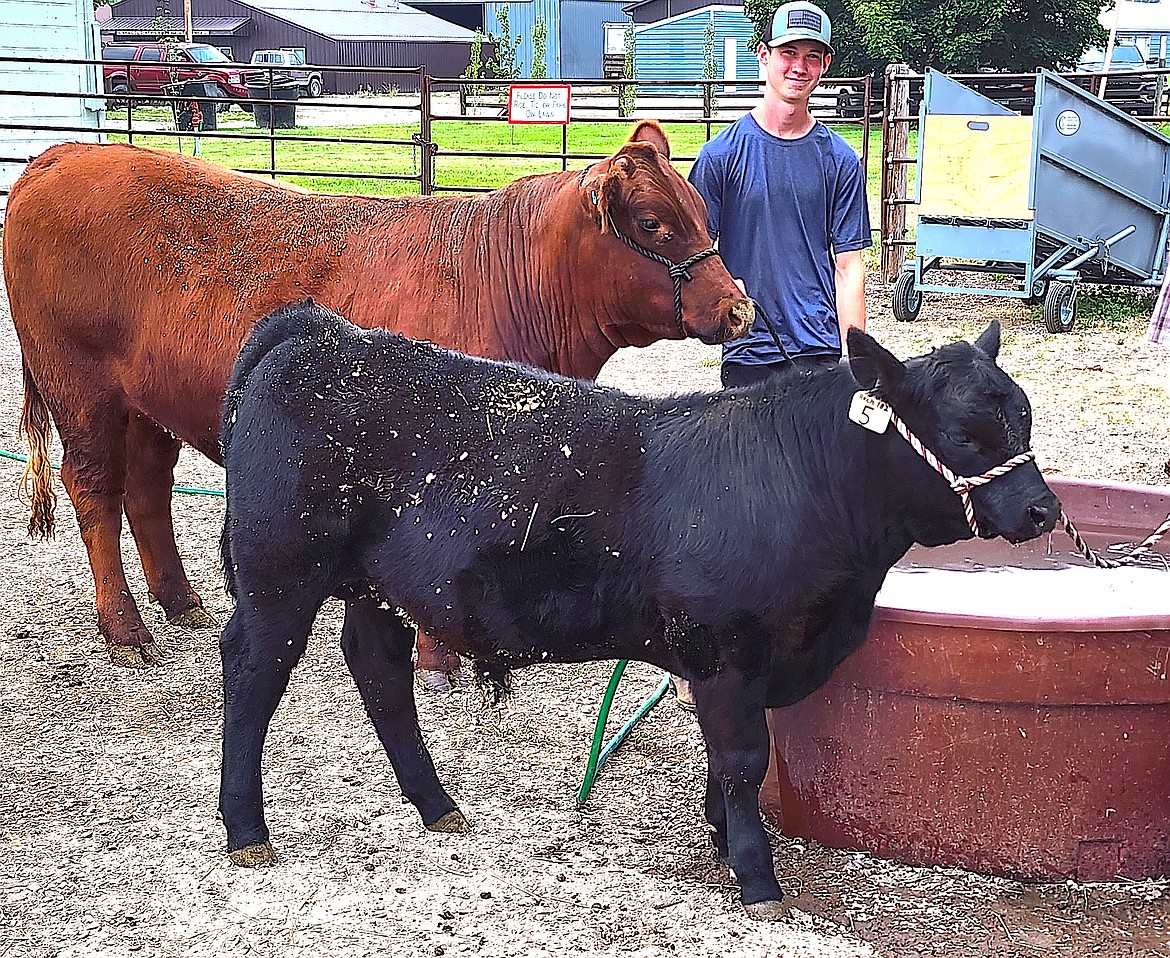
(1100,561)
(963,485)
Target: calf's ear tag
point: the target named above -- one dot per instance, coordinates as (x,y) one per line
(870,412)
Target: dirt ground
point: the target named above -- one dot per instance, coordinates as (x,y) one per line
(108,778)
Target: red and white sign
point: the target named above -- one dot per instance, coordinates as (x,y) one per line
(538,103)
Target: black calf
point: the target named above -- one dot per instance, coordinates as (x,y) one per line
(531,518)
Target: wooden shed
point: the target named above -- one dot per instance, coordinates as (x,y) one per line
(352,33)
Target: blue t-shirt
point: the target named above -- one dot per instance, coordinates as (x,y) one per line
(777,207)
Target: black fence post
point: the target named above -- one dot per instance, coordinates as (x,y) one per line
(426,158)
(708,104)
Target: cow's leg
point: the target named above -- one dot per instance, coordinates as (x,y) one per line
(377,646)
(150,472)
(93,470)
(730,707)
(436,663)
(259,648)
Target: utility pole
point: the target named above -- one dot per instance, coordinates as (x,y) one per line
(187,18)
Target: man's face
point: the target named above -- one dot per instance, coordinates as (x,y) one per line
(794,68)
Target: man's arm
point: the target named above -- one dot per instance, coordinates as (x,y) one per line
(850,293)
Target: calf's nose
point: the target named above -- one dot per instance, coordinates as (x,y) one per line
(1043,515)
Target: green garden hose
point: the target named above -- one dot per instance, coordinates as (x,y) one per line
(598,754)
(189,490)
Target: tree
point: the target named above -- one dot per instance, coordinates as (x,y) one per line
(475,66)
(505,65)
(539,49)
(628,92)
(961,36)
(710,67)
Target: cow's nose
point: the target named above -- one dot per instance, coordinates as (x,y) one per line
(743,314)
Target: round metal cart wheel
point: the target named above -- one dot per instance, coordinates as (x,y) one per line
(907,299)
(1039,291)
(1060,308)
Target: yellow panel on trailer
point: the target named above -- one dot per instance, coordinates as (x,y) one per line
(976,166)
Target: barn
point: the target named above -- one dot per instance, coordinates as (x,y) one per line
(368,33)
(57,29)
(580,32)
(669,37)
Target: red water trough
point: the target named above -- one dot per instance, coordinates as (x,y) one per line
(1009,714)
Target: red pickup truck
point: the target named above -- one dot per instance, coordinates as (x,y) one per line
(145,68)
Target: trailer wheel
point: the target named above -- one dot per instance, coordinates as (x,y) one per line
(1038,293)
(1060,308)
(907,299)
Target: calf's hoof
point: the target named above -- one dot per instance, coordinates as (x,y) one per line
(684,695)
(253,856)
(767,910)
(451,822)
(195,617)
(144,656)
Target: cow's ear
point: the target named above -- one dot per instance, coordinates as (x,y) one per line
(871,363)
(650,131)
(602,188)
(988,342)
(592,191)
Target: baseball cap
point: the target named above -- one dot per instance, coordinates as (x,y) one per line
(800,20)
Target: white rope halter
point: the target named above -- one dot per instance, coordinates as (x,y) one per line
(962,485)
(874,414)
(869,411)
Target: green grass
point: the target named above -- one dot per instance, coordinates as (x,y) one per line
(317,160)
(1113,306)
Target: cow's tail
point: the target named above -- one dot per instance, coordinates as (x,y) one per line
(36,482)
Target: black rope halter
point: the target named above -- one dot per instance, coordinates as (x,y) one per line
(678,271)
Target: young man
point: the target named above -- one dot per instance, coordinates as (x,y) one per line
(786,200)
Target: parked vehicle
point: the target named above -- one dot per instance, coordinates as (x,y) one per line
(1127,84)
(308,79)
(146,68)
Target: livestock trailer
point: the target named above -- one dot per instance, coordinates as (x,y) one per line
(1075,193)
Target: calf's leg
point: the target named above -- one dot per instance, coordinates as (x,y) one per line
(715,809)
(259,649)
(377,646)
(150,472)
(730,707)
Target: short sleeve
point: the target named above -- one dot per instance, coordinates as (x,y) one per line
(706,177)
(850,211)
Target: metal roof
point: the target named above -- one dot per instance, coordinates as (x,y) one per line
(363,20)
(200,26)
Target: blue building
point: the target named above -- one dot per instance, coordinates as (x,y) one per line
(577,30)
(669,40)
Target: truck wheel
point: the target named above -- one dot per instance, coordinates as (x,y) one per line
(117,101)
(316,88)
(907,299)
(1060,307)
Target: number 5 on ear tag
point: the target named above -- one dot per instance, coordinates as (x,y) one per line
(869,411)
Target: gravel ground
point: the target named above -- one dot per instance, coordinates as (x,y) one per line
(111,844)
